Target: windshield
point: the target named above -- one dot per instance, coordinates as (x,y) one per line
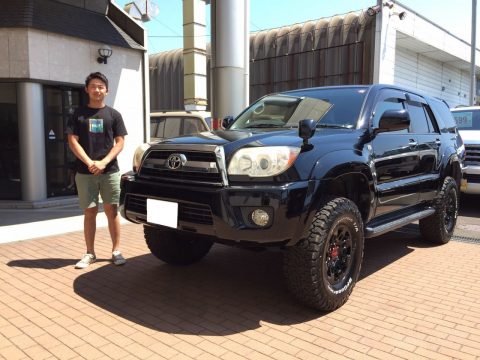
(334,107)
(467,119)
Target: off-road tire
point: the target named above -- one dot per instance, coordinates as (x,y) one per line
(438,228)
(310,265)
(174,249)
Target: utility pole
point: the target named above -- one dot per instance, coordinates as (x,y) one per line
(473,80)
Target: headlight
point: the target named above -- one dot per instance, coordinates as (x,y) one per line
(262,161)
(137,157)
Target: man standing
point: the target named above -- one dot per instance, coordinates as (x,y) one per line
(96,136)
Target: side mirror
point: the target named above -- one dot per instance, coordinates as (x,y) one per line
(227,121)
(306,129)
(393,120)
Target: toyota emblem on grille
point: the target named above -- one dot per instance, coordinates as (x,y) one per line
(176,161)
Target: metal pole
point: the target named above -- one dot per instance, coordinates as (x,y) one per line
(228,60)
(472,57)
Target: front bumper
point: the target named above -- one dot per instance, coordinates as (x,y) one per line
(471,180)
(224,213)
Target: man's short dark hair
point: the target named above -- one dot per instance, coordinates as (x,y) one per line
(96,75)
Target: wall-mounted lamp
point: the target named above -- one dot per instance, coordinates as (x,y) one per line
(401,15)
(105,52)
(374,10)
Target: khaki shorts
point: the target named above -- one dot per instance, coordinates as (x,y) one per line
(89,186)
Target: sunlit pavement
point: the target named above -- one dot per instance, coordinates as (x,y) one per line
(25,224)
(413,301)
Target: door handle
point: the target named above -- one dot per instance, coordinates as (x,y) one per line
(438,142)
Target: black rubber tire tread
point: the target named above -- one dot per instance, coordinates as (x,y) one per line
(174,249)
(433,227)
(303,263)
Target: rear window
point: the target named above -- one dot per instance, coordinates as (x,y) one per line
(467,119)
(445,120)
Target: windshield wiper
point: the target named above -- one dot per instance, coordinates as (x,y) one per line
(264,126)
(335,126)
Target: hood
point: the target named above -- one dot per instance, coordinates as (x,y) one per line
(233,140)
(470,136)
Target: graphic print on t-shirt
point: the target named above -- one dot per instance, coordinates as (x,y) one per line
(95,125)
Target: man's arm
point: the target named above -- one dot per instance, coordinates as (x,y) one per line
(78,150)
(99,166)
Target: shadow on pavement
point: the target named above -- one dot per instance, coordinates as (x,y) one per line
(48,264)
(230,291)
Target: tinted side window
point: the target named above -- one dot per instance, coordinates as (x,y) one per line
(418,118)
(387,104)
(443,116)
(432,124)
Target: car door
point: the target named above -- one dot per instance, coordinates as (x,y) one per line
(427,132)
(395,158)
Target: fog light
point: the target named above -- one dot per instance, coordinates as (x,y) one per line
(260,217)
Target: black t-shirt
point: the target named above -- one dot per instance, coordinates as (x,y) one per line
(96,130)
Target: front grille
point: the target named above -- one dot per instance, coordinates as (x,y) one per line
(192,213)
(137,204)
(191,155)
(201,167)
(181,175)
(472,154)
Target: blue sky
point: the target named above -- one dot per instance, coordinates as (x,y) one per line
(165,31)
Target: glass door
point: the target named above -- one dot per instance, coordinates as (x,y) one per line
(60,103)
(10,183)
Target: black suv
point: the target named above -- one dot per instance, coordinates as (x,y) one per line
(311,171)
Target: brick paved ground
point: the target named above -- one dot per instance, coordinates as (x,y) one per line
(413,301)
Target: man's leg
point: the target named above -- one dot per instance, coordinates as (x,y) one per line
(110,191)
(89,228)
(113,217)
(87,187)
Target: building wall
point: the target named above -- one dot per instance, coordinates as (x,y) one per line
(419,54)
(385,45)
(433,77)
(34,55)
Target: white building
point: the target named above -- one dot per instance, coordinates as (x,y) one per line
(48,47)
(417,53)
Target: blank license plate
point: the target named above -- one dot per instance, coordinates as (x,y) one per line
(162,213)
